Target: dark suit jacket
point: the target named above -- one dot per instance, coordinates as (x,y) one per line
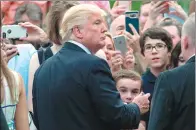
(173,103)
(74,90)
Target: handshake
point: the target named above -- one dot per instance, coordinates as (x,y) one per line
(143,102)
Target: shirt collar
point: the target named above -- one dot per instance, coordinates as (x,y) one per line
(191,57)
(81,46)
(150,76)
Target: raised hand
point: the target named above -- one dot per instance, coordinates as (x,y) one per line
(178,10)
(129,60)
(133,40)
(158,8)
(118,10)
(35,33)
(116,61)
(10,51)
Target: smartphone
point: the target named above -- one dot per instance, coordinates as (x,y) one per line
(13,32)
(120,44)
(132,17)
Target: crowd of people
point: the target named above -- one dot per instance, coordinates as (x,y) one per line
(68,75)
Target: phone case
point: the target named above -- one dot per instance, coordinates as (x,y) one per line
(132,17)
(120,44)
(13,31)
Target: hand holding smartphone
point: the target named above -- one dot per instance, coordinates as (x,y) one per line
(13,32)
(132,17)
(120,44)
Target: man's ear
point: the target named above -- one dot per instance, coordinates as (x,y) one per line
(185,42)
(77,32)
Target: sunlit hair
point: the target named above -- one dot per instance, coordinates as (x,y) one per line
(130,74)
(77,16)
(8,75)
(110,36)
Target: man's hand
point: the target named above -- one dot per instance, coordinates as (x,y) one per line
(143,102)
(35,33)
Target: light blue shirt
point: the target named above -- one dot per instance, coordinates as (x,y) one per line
(81,46)
(21,63)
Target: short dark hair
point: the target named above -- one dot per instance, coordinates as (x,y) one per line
(156,33)
(32,10)
(175,56)
(171,22)
(54,18)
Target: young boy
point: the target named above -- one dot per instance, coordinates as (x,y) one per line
(156,46)
(128,83)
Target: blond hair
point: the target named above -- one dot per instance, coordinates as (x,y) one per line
(9,76)
(124,73)
(110,36)
(77,16)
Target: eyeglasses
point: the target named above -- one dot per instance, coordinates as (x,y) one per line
(158,47)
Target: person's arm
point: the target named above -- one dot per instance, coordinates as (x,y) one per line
(33,66)
(5,5)
(156,9)
(133,42)
(106,99)
(21,115)
(179,11)
(162,104)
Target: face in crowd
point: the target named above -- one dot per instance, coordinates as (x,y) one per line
(156,45)
(128,83)
(173,31)
(128,89)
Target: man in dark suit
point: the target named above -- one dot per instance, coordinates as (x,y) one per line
(173,103)
(74,90)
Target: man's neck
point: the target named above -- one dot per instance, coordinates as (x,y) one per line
(55,48)
(157,71)
(190,57)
